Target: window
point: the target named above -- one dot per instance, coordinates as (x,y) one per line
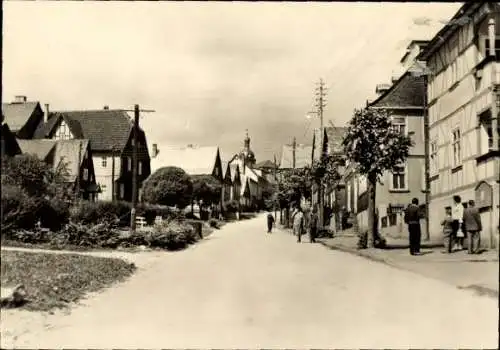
(140,168)
(399,178)
(129,163)
(456,147)
(122,191)
(399,125)
(104,162)
(85,174)
(486,133)
(487,48)
(434,163)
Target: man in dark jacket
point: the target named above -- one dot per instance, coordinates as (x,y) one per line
(412,219)
(473,227)
(313,225)
(270,222)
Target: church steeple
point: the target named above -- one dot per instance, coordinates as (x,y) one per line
(246,154)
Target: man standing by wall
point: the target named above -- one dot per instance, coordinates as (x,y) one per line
(473,227)
(412,219)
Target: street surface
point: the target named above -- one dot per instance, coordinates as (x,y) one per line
(243,288)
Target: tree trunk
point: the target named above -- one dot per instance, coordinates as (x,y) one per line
(372,222)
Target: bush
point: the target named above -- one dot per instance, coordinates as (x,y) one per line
(363,240)
(213,223)
(171,236)
(168,186)
(231,206)
(54,214)
(86,212)
(19,211)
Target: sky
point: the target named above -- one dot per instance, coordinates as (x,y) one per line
(211,70)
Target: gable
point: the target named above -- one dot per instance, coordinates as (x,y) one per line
(17,115)
(62,131)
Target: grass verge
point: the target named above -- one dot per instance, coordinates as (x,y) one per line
(55,280)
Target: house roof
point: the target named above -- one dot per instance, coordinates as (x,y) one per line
(407,92)
(55,151)
(17,114)
(193,160)
(72,153)
(303,154)
(451,27)
(105,128)
(39,148)
(10,143)
(234,171)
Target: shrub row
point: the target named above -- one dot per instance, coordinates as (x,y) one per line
(172,236)
(21,211)
(96,212)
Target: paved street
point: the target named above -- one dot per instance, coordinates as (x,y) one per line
(244,288)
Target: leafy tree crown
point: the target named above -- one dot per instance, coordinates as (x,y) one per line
(373,144)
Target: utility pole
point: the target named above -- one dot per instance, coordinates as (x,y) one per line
(294,149)
(77,187)
(427,163)
(276,199)
(320,105)
(135,149)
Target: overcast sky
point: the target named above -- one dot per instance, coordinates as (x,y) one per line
(211,70)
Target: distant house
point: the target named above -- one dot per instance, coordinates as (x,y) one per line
(194,160)
(236,182)
(10,146)
(23,116)
(110,133)
(73,157)
(334,196)
(227,182)
(404,102)
(252,179)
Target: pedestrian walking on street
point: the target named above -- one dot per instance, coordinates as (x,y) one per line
(298,224)
(473,227)
(457,214)
(270,222)
(447,231)
(412,219)
(313,225)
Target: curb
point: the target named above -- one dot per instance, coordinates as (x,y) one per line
(478,290)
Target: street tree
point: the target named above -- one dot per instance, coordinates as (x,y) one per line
(206,188)
(168,186)
(374,147)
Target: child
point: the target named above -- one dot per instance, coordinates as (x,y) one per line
(270,222)
(447,230)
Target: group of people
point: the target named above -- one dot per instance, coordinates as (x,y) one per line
(302,222)
(461,220)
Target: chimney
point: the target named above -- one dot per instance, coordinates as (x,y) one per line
(46,114)
(381,88)
(394,78)
(155,150)
(20,99)
(491,36)
(106,107)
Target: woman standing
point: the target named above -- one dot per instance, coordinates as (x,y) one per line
(457,215)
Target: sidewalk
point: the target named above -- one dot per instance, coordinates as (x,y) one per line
(475,272)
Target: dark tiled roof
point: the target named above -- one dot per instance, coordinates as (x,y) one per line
(104,128)
(18,114)
(407,92)
(10,143)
